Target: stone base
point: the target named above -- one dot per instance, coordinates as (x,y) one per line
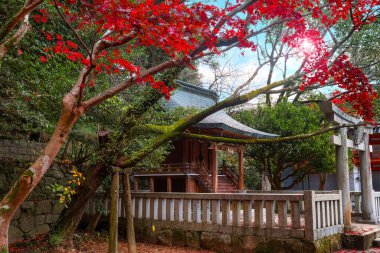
(233,243)
(360,241)
(372,222)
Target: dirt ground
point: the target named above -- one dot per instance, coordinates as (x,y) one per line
(85,243)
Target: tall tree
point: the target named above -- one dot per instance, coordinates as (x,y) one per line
(286,164)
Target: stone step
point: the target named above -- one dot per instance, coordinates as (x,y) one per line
(362,239)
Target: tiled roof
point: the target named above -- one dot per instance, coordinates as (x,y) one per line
(188,95)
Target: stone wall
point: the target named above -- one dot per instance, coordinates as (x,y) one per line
(232,242)
(41,209)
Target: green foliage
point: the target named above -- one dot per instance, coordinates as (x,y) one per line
(64,192)
(304,156)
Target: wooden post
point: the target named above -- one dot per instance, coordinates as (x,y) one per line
(188,184)
(151,184)
(368,198)
(136,184)
(241,169)
(341,159)
(214,167)
(169,184)
(114,211)
(128,214)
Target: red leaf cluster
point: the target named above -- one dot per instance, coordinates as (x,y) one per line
(185,31)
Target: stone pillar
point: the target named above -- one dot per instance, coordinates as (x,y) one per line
(368,199)
(169,184)
(136,184)
(265,184)
(214,167)
(241,169)
(342,173)
(151,184)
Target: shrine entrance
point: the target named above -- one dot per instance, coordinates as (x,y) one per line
(355,136)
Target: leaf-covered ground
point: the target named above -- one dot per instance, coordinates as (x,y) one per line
(85,243)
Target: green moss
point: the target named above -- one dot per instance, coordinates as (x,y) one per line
(323,245)
(4,249)
(55,239)
(28,173)
(15,189)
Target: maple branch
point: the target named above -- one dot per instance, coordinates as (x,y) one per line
(73,30)
(120,42)
(248,36)
(15,38)
(10,25)
(128,83)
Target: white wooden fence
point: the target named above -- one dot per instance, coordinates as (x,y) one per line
(261,214)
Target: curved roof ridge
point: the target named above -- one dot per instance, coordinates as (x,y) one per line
(198,90)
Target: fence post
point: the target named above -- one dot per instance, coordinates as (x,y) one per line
(114,211)
(310,215)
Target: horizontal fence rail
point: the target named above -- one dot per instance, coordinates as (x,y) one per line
(309,215)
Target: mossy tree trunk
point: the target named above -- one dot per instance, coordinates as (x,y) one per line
(70,218)
(32,176)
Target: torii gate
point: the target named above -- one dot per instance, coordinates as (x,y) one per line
(360,141)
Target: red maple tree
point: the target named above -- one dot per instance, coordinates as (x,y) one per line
(184,32)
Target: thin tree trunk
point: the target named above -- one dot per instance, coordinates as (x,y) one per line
(322,181)
(128,213)
(32,176)
(70,218)
(95,219)
(114,213)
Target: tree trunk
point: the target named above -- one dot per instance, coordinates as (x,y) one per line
(70,218)
(128,213)
(322,181)
(32,176)
(95,219)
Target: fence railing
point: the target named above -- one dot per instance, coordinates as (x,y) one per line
(356,203)
(260,214)
(170,167)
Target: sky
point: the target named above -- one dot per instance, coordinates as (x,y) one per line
(242,66)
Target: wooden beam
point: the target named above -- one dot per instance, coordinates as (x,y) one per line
(214,168)
(169,184)
(241,170)
(135,183)
(151,184)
